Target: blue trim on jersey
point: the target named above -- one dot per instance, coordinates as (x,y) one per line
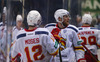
(80,28)
(73,29)
(50,25)
(93,28)
(21,35)
(41,32)
(14,28)
(1,24)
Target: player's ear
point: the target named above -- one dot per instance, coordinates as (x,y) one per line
(60,19)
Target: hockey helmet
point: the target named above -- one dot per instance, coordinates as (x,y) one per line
(19,18)
(60,13)
(33,18)
(87,18)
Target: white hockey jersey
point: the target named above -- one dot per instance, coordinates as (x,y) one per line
(74,50)
(3,42)
(14,32)
(91,38)
(36,45)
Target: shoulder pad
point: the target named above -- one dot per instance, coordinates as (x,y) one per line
(80,28)
(51,24)
(93,28)
(14,28)
(1,24)
(21,35)
(73,28)
(41,32)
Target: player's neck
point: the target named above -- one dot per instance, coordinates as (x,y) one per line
(85,25)
(18,27)
(31,28)
(60,26)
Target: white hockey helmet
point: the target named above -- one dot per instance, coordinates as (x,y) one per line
(60,13)
(5,10)
(19,18)
(87,18)
(33,18)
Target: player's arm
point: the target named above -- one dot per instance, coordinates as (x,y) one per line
(51,44)
(98,39)
(79,51)
(15,55)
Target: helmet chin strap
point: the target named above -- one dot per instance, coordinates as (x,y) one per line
(62,22)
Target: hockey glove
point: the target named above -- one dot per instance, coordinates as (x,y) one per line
(61,41)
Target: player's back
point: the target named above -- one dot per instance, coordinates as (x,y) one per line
(90,38)
(35,46)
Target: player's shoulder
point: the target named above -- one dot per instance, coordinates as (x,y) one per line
(72,27)
(14,28)
(42,31)
(50,25)
(94,28)
(89,28)
(1,23)
(80,28)
(21,34)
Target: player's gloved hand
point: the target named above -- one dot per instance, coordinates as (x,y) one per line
(82,60)
(59,39)
(61,42)
(17,58)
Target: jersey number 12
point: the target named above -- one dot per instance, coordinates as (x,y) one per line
(35,56)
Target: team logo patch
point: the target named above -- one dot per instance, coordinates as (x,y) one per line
(79,42)
(56,44)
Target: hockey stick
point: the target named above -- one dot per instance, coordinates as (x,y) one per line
(90,53)
(60,55)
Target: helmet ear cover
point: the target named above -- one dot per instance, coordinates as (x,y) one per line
(60,19)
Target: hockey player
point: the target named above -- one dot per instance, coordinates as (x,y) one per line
(34,44)
(91,38)
(74,51)
(3,30)
(16,29)
(18,26)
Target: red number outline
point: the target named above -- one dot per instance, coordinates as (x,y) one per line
(90,41)
(35,55)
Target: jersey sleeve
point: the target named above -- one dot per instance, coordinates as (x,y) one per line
(98,40)
(79,51)
(51,44)
(50,26)
(15,53)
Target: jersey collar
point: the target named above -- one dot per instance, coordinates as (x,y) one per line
(85,26)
